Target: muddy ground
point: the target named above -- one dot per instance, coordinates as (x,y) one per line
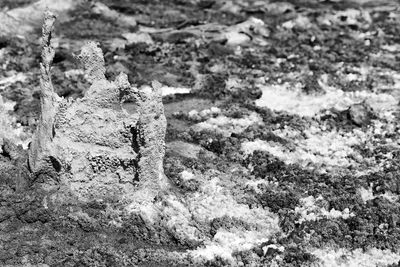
(282,139)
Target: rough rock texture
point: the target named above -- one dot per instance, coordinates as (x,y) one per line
(41,145)
(105,145)
(24,20)
(106,12)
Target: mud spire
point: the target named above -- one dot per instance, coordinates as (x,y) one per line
(108,144)
(41,144)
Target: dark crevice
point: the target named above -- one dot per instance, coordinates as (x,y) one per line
(136,148)
(5,153)
(135,137)
(55,163)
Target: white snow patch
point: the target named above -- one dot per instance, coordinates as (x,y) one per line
(273,246)
(347,17)
(254,184)
(73,73)
(177,217)
(9,128)
(352,77)
(140,37)
(356,258)
(214,201)
(310,211)
(300,21)
(391,48)
(367,194)
(227,125)
(292,100)
(245,32)
(204,114)
(185,175)
(166,90)
(237,38)
(18,77)
(225,243)
(326,151)
(390,196)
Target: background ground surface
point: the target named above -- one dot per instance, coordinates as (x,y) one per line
(282,140)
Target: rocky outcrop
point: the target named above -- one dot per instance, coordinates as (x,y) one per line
(108,144)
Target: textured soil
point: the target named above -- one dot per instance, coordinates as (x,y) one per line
(38,231)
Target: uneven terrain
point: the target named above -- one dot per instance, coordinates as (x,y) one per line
(282,139)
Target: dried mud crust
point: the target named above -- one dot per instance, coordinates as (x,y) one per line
(76,234)
(231,80)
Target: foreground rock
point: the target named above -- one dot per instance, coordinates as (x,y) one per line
(110,143)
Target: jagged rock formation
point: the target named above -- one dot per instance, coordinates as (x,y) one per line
(110,143)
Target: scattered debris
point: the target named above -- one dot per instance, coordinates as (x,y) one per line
(361,114)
